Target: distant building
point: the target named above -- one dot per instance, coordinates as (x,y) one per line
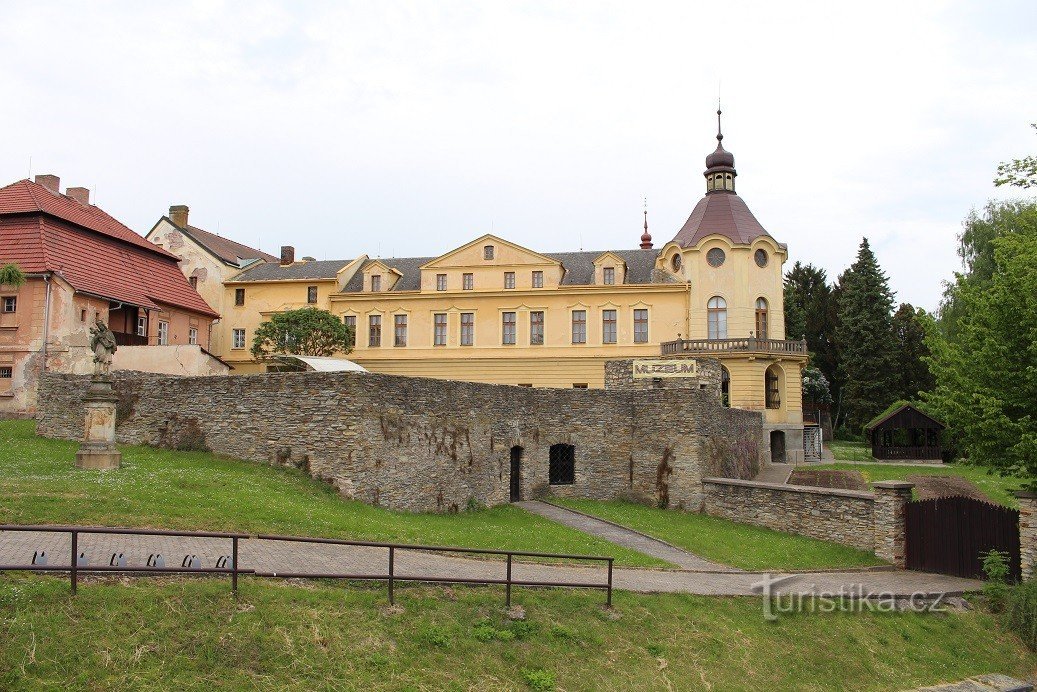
(207,259)
(82,264)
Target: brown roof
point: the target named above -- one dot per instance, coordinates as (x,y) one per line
(723,213)
(226,249)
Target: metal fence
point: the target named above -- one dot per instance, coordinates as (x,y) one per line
(228,564)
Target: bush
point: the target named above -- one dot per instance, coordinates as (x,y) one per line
(996,569)
(1021,612)
(539,679)
(844,434)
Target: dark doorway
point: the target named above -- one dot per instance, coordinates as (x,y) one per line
(777,447)
(516,474)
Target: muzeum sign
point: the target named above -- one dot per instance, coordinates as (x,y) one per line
(657,367)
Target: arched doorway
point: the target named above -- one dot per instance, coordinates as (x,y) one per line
(725,386)
(515,493)
(778,447)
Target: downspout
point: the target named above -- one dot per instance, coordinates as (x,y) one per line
(46,321)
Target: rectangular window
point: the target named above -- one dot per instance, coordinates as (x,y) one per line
(311,294)
(440,282)
(579,326)
(467,328)
(400,330)
(608,275)
(10,303)
(640,326)
(508,328)
(239,338)
(487,252)
(192,336)
(608,326)
(509,279)
(376,283)
(439,329)
(82,317)
(538,279)
(561,465)
(163,333)
(374,330)
(350,322)
(142,324)
(239,296)
(536,327)
(468,282)
(193,281)
(6,372)
(579,385)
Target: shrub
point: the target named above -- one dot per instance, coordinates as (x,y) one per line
(539,679)
(996,568)
(1021,612)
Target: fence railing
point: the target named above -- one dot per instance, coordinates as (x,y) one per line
(228,564)
(678,346)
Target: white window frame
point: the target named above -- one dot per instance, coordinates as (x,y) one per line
(192,335)
(163,333)
(238,338)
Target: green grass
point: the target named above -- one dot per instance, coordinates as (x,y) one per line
(851,451)
(727,542)
(192,634)
(997,488)
(197,491)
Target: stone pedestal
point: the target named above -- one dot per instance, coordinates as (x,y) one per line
(891,498)
(1028,533)
(98,450)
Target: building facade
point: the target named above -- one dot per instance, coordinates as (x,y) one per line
(82,265)
(495,311)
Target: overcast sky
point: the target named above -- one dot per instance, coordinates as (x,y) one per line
(407,129)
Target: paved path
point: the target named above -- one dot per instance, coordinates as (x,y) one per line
(16,548)
(774,473)
(623,536)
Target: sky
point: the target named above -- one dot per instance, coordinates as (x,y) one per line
(410,128)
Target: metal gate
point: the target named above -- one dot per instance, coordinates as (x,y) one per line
(949,535)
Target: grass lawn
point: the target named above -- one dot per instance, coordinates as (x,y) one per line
(196,491)
(739,545)
(192,634)
(850,451)
(997,488)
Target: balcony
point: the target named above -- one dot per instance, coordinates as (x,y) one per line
(749,344)
(123,339)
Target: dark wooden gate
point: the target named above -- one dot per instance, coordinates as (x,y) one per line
(949,535)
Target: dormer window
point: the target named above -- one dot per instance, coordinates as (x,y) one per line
(487,252)
(440,282)
(608,276)
(538,279)
(376,283)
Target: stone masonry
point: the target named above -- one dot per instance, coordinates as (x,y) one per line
(420,444)
(1027,533)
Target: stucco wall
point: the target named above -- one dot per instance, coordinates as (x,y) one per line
(182,359)
(422,444)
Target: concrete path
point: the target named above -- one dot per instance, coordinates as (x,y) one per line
(774,473)
(620,535)
(16,548)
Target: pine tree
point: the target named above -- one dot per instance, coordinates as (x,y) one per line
(912,368)
(865,339)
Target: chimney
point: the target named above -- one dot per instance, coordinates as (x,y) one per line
(80,194)
(287,254)
(178,215)
(51,182)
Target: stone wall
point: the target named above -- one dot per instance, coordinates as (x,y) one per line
(869,521)
(422,444)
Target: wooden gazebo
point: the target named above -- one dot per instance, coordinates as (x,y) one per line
(905,432)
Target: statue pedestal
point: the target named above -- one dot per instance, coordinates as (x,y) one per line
(98,450)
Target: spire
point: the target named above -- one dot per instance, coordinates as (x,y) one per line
(720,166)
(646,237)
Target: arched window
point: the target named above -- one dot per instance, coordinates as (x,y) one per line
(725,386)
(773,387)
(761,318)
(717,310)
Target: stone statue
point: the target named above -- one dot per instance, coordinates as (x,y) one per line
(102,341)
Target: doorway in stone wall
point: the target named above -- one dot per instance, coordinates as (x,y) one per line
(516,474)
(778,447)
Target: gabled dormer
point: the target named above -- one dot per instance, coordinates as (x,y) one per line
(490,263)
(609,270)
(379,277)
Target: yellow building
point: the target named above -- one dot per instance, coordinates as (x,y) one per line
(495,311)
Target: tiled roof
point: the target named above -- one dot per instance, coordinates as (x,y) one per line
(226,249)
(106,263)
(409,267)
(274,271)
(26,196)
(724,213)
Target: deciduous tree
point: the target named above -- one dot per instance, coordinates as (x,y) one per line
(304,332)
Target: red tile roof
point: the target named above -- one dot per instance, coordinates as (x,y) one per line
(720,212)
(91,250)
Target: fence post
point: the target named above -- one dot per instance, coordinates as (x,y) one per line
(392,596)
(1027,533)
(507,591)
(74,565)
(608,597)
(234,566)
(890,530)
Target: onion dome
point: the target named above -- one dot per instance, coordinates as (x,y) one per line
(646,237)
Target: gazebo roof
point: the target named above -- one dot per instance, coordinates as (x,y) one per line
(897,409)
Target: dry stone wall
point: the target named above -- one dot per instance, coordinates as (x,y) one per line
(421,444)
